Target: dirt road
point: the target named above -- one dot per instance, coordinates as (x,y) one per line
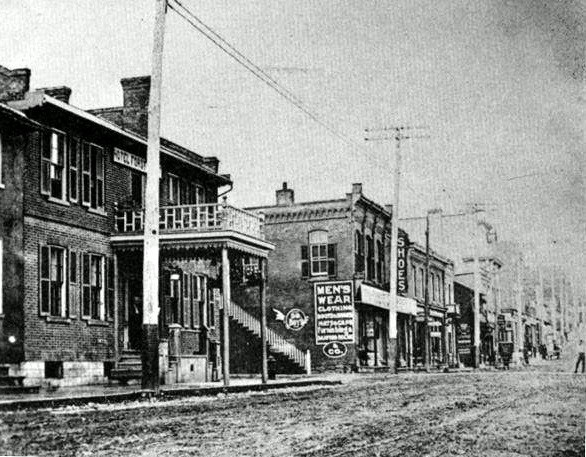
(516,413)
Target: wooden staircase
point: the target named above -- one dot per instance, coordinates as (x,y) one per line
(276,342)
(129,367)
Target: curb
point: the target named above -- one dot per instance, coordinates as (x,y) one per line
(163,394)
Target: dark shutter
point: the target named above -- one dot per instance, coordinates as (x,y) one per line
(332,261)
(45,145)
(72,292)
(73,169)
(110,285)
(304,261)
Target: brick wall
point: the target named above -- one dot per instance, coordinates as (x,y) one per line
(65,339)
(11,233)
(286,289)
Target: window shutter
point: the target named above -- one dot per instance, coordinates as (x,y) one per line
(44,281)
(332,260)
(72,295)
(304,261)
(99,176)
(85,287)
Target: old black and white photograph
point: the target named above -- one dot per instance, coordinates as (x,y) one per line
(314,228)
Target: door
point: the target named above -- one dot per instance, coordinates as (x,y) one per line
(135,315)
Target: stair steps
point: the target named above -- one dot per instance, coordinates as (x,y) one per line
(129,367)
(276,342)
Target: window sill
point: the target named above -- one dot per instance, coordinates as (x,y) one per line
(59,202)
(320,278)
(2,186)
(99,212)
(97,323)
(58,320)
(1,316)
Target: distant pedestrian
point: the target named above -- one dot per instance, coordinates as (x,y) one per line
(526,355)
(580,356)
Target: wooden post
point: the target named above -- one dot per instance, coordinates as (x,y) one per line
(116,317)
(426,336)
(477,284)
(225,316)
(263,320)
(150,272)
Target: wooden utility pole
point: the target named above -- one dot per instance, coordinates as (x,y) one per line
(150,272)
(398,137)
(426,335)
(477,284)
(263,320)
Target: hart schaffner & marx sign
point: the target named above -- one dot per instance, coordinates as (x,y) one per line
(334,312)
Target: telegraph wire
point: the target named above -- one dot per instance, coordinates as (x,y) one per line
(229,49)
(259,73)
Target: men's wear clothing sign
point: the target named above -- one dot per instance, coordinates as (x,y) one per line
(334,312)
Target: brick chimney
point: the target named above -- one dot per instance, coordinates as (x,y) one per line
(136,103)
(285,197)
(357,188)
(61,93)
(14,83)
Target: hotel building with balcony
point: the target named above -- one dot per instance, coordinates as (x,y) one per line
(74,311)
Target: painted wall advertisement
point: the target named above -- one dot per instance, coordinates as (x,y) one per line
(402,249)
(334,312)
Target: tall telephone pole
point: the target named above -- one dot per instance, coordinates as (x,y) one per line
(150,271)
(398,134)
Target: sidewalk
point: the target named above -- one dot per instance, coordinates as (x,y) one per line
(67,396)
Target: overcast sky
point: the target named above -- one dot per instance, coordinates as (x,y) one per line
(500,85)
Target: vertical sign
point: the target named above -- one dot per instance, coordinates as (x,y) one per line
(402,248)
(334,312)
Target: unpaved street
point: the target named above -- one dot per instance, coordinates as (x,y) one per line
(517,413)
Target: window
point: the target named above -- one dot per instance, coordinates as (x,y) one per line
(74,147)
(92,176)
(53,154)
(93,293)
(318,252)
(173,190)
(416,285)
(319,258)
(52,281)
(421,283)
(358,252)
(380,261)
(186,283)
(72,267)
(433,287)
(137,189)
(369,258)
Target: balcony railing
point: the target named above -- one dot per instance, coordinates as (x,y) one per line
(198,218)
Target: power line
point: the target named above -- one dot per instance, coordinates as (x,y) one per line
(258,72)
(199,25)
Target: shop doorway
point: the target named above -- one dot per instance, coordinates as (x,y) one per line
(134,315)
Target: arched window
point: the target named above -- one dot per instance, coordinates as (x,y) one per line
(318,258)
(358,252)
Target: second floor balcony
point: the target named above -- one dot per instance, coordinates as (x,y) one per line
(208,217)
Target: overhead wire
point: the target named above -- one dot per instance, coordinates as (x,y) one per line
(208,32)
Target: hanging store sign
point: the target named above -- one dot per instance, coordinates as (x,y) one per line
(129,160)
(402,249)
(334,312)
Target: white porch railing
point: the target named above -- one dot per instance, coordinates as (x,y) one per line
(276,342)
(204,217)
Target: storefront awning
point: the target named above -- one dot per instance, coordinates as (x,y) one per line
(406,305)
(381,299)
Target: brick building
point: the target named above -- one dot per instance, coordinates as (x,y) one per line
(72,241)
(344,240)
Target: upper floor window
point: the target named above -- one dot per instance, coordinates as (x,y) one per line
(358,252)
(53,156)
(369,258)
(137,188)
(173,191)
(92,176)
(182,192)
(1,275)
(422,279)
(319,257)
(415,279)
(380,262)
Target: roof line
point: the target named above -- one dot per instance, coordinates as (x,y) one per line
(39,98)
